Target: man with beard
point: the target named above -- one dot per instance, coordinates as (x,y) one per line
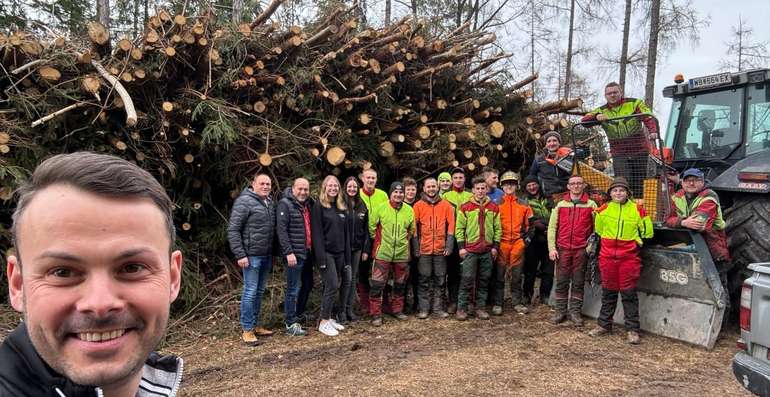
(536,262)
(553,179)
(434,241)
(94,275)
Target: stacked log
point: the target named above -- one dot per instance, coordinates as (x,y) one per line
(204,106)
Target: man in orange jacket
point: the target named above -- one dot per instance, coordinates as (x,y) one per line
(435,222)
(514,217)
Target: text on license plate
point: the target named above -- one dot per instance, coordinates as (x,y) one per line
(752,185)
(710,81)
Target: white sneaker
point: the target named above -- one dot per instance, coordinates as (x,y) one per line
(336,325)
(327,328)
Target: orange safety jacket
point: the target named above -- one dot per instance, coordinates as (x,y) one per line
(514,217)
(435,222)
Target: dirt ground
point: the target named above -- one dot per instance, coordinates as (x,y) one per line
(509,355)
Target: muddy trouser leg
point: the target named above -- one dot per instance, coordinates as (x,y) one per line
(484,274)
(454,278)
(497,283)
(516,295)
(424,273)
(380,272)
(469,267)
(579,261)
(330,286)
(355,261)
(400,276)
(609,303)
(563,276)
(306,286)
(414,282)
(531,262)
(362,287)
(630,309)
(439,282)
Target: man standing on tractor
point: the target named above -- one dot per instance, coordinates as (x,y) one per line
(457,196)
(630,144)
(552,178)
(478,232)
(696,207)
(621,224)
(571,224)
(514,219)
(536,262)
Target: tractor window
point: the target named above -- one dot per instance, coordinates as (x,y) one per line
(758,118)
(709,125)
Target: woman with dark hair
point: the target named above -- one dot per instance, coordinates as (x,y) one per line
(332,250)
(358,235)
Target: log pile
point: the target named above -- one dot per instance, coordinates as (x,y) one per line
(204,106)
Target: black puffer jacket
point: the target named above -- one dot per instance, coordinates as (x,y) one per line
(252,225)
(23,373)
(290,224)
(552,178)
(358,226)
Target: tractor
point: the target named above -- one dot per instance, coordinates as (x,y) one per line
(721,125)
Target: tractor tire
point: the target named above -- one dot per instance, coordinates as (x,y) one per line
(748,235)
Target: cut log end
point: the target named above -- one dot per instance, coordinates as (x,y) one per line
(335,155)
(265,159)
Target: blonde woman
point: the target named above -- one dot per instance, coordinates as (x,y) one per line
(332,250)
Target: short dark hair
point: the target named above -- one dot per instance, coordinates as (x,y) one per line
(409,181)
(100,174)
(612,84)
(489,170)
(478,179)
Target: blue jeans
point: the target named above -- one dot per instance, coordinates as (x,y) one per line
(293,277)
(254,281)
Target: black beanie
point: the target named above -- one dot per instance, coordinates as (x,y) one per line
(394,186)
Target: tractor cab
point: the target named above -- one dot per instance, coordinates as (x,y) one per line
(718,120)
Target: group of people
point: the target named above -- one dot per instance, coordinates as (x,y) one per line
(95,268)
(456,249)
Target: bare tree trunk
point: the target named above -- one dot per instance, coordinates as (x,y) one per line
(624,50)
(146,12)
(387,12)
(237,11)
(103,12)
(135,29)
(414,9)
(532,44)
(740,43)
(652,53)
(459,13)
(568,68)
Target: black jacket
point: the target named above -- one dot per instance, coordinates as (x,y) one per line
(552,178)
(290,224)
(24,373)
(252,225)
(329,234)
(358,226)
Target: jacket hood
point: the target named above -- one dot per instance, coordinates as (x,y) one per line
(427,199)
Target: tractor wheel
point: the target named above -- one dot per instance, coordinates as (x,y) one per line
(748,234)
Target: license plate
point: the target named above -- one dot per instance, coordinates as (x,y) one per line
(752,185)
(714,80)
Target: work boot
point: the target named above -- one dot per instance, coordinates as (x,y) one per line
(577,319)
(452,309)
(377,321)
(521,309)
(250,339)
(461,315)
(558,318)
(633,338)
(599,331)
(482,314)
(351,316)
(422,315)
(262,331)
(497,310)
(440,313)
(401,316)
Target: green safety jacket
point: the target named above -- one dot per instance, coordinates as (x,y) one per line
(478,228)
(457,198)
(623,128)
(391,230)
(372,200)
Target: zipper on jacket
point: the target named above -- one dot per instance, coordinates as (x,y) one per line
(433,226)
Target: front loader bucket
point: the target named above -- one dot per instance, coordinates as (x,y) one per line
(680,295)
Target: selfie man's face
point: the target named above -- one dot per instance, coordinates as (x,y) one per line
(95,281)
(370,179)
